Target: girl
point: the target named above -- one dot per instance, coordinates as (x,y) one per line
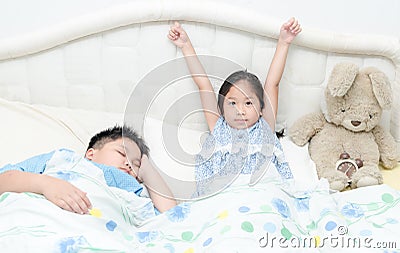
(241,125)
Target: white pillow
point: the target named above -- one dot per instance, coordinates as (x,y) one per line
(303,168)
(164,156)
(29,130)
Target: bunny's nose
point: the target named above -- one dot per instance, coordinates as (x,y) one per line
(355,123)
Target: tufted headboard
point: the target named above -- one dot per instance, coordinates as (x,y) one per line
(62,83)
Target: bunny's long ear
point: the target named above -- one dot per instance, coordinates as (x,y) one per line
(341,78)
(381,87)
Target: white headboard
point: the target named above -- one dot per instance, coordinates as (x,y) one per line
(62,83)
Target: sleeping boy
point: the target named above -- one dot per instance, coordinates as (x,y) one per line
(117,156)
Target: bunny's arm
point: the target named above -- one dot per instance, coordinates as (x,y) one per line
(306,127)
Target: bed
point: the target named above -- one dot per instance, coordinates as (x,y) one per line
(61,84)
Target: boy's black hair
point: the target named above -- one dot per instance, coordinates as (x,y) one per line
(115,133)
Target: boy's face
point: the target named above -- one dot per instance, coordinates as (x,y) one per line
(122,153)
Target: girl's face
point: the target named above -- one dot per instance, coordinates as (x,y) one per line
(242,108)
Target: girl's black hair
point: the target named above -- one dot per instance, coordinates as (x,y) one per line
(281,133)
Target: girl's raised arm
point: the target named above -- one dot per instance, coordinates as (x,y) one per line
(207,96)
(288,32)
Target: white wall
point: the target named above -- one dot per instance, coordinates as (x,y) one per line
(344,16)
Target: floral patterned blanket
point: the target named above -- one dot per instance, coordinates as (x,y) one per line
(273,215)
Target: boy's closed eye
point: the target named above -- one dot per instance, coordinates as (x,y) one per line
(135,164)
(121,153)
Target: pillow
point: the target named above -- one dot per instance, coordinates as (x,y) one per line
(29,130)
(303,168)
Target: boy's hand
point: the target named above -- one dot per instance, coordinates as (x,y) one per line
(66,196)
(289,30)
(145,168)
(136,170)
(178,35)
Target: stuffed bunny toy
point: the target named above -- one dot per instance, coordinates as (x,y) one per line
(345,140)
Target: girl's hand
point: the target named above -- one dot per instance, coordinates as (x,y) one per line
(289,30)
(178,35)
